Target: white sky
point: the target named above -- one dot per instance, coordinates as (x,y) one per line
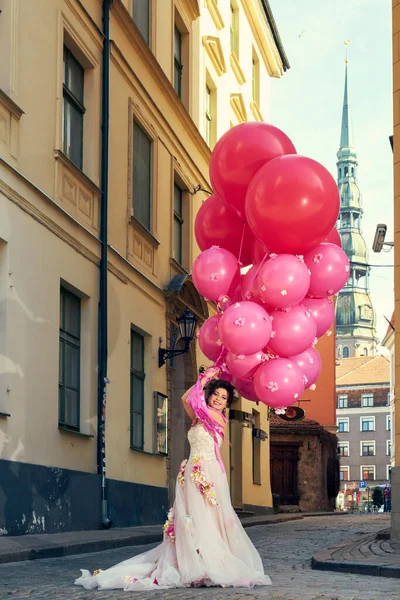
(307,104)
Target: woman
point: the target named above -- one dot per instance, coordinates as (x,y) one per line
(204,541)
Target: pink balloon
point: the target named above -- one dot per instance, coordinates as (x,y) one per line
(249,285)
(283,281)
(234,297)
(309,363)
(333,237)
(278,383)
(217,224)
(243,366)
(292,204)
(293,331)
(209,341)
(239,154)
(330,269)
(323,312)
(245,328)
(215,272)
(258,251)
(245,389)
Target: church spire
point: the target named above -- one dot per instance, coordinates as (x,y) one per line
(346,137)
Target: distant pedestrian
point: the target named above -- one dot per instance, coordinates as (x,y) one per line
(387,498)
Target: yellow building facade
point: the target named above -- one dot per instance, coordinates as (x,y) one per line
(108,114)
(395,472)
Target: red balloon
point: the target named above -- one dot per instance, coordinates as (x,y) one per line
(217,224)
(333,237)
(292,204)
(239,154)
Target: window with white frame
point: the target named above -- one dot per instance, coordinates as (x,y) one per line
(343,449)
(342,401)
(343,425)
(367,424)
(388,422)
(367,400)
(388,447)
(367,448)
(344,473)
(367,472)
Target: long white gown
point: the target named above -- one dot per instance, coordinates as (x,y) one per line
(204,541)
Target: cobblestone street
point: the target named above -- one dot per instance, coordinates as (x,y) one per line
(286,550)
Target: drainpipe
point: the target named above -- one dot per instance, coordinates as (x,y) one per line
(103,305)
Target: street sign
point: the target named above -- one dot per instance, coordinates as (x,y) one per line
(363,485)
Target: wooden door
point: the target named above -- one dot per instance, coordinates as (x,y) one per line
(284,461)
(235,460)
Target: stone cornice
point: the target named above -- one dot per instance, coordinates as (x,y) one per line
(10,105)
(236,68)
(214,50)
(215,14)
(189,7)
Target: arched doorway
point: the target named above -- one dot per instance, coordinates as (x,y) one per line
(182,372)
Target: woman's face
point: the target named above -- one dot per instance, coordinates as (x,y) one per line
(218,399)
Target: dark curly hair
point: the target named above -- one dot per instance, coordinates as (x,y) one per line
(216,384)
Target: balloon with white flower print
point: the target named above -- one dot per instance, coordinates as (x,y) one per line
(330,269)
(323,311)
(227,301)
(293,331)
(245,328)
(243,366)
(283,280)
(209,341)
(215,273)
(278,383)
(309,363)
(245,388)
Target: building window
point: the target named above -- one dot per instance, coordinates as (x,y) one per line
(343,425)
(141,17)
(346,352)
(388,422)
(367,424)
(256,448)
(388,472)
(142,176)
(367,400)
(365,351)
(69,360)
(255,80)
(73,108)
(368,472)
(367,449)
(138,376)
(234,29)
(161,411)
(342,401)
(388,448)
(344,473)
(178,61)
(178,224)
(208,115)
(343,449)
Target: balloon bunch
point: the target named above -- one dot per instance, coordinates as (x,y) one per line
(274,210)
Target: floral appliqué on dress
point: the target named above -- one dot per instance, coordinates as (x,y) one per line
(169,526)
(206,488)
(181,474)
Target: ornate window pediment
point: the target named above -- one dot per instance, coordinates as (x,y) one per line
(214,50)
(239,107)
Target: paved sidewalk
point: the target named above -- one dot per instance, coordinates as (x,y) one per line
(32,547)
(366,555)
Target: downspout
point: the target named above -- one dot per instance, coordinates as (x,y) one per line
(103,304)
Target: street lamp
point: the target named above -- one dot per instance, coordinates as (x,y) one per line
(379,239)
(187,327)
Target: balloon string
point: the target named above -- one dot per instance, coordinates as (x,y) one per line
(254,275)
(241,244)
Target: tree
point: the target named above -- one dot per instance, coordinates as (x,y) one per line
(377,497)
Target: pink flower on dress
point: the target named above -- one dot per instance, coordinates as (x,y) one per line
(273,386)
(318,257)
(130,579)
(240,322)
(196,468)
(214,276)
(96,572)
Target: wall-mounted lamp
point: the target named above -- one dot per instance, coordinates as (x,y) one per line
(187,328)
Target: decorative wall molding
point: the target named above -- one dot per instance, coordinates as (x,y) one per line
(236,68)
(215,14)
(255,109)
(189,7)
(214,50)
(239,107)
